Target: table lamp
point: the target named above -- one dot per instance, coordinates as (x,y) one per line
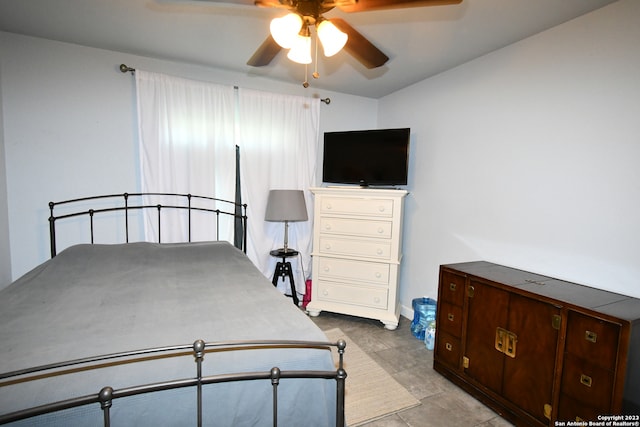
(285,206)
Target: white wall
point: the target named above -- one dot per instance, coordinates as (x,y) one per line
(70,128)
(525,157)
(529,157)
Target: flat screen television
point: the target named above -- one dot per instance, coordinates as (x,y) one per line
(366,157)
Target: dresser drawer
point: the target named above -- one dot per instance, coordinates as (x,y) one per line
(570,409)
(357,206)
(593,339)
(356,227)
(344,269)
(360,248)
(587,383)
(452,288)
(450,318)
(448,350)
(354,295)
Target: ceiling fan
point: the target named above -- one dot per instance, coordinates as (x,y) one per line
(304,14)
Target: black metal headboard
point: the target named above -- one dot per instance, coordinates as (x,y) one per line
(126,202)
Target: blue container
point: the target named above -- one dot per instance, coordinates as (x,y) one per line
(424,312)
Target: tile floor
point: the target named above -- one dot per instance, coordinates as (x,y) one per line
(411,364)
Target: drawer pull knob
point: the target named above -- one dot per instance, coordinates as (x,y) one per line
(381,208)
(585,380)
(379,251)
(450,317)
(448,346)
(328,206)
(327,246)
(327,227)
(378,274)
(590,336)
(376,300)
(325,292)
(327,269)
(452,286)
(380,230)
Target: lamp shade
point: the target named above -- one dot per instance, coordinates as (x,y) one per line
(286,205)
(285,29)
(300,52)
(332,39)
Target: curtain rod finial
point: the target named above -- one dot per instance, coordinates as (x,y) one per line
(124,68)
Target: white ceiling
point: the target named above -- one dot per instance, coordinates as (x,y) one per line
(420,42)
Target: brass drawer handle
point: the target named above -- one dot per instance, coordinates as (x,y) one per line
(585,380)
(448,346)
(499,343)
(512,339)
(505,342)
(450,317)
(452,287)
(590,336)
(547,410)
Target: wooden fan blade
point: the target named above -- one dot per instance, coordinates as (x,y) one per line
(359,47)
(364,5)
(237,2)
(265,53)
(273,3)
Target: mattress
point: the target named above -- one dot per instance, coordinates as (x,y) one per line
(99,299)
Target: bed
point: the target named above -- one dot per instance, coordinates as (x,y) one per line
(218,344)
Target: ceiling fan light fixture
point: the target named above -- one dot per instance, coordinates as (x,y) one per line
(300,52)
(332,39)
(285,29)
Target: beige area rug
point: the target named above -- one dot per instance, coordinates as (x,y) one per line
(371,393)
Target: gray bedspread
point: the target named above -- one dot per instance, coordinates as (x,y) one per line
(99,299)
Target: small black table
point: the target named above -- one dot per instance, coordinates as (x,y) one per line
(283,269)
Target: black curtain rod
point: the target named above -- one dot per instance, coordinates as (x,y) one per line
(126,69)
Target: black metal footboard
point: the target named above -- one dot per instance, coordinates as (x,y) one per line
(107,396)
(128,202)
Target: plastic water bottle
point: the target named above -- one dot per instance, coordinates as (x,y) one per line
(430,335)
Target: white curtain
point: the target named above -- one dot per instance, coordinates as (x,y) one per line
(187,145)
(188,132)
(278,138)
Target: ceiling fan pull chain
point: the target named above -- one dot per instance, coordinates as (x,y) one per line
(305,84)
(315,74)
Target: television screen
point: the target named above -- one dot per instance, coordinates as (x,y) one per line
(366,157)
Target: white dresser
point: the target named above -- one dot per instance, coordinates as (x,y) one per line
(357,248)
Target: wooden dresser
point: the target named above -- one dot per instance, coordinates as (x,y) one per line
(538,350)
(357,250)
